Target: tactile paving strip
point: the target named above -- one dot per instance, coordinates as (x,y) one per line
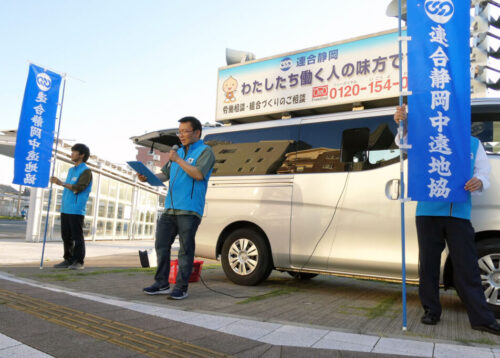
(138,340)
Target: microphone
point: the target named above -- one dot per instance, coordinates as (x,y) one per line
(174,147)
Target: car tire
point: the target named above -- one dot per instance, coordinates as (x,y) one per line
(488,252)
(302,275)
(246,258)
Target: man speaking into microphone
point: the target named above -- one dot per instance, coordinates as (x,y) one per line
(188,172)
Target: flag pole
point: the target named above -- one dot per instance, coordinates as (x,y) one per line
(53,170)
(401,163)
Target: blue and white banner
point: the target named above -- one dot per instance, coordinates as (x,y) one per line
(35,134)
(439,107)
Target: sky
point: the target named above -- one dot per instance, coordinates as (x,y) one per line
(138,66)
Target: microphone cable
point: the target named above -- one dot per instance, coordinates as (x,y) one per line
(171,182)
(220,292)
(312,252)
(310,256)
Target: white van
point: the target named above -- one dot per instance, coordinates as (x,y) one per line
(308,196)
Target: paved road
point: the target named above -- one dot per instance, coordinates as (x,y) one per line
(12,229)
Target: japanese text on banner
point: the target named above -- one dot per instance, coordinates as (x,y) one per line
(35,134)
(439,107)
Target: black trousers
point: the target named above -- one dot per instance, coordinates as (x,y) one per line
(433,232)
(72,236)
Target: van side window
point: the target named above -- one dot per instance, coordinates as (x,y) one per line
(348,145)
(253,152)
(486,127)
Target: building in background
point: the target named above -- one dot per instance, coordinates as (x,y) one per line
(13,201)
(119,207)
(153,159)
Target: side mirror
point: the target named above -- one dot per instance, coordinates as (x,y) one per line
(392,189)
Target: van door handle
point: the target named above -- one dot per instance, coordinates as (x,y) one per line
(393,189)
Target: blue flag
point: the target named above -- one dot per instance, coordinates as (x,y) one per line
(35,134)
(439,107)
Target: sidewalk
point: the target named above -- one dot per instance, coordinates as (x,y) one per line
(338,315)
(20,252)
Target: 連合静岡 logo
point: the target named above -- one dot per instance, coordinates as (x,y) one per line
(440,11)
(43,81)
(286,64)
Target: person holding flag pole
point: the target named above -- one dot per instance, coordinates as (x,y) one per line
(445,164)
(441,223)
(76,192)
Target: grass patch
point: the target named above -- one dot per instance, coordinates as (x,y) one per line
(348,310)
(275,293)
(73,276)
(211,266)
(380,309)
(126,270)
(3,302)
(485,341)
(57,276)
(11,218)
(420,335)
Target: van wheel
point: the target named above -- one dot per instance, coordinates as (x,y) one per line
(488,252)
(246,260)
(302,275)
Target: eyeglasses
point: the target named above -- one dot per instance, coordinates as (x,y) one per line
(182,133)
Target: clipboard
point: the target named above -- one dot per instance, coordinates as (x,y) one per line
(140,168)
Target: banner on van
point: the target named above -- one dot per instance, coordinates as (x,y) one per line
(439,107)
(345,72)
(35,134)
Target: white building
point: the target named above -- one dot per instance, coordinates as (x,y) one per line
(119,207)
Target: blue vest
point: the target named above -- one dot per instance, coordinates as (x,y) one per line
(72,203)
(184,192)
(456,210)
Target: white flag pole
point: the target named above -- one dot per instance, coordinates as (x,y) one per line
(401,163)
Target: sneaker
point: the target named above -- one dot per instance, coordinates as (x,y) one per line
(178,294)
(63,264)
(429,318)
(76,266)
(155,290)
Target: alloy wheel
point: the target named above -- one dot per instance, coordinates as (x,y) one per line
(243,256)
